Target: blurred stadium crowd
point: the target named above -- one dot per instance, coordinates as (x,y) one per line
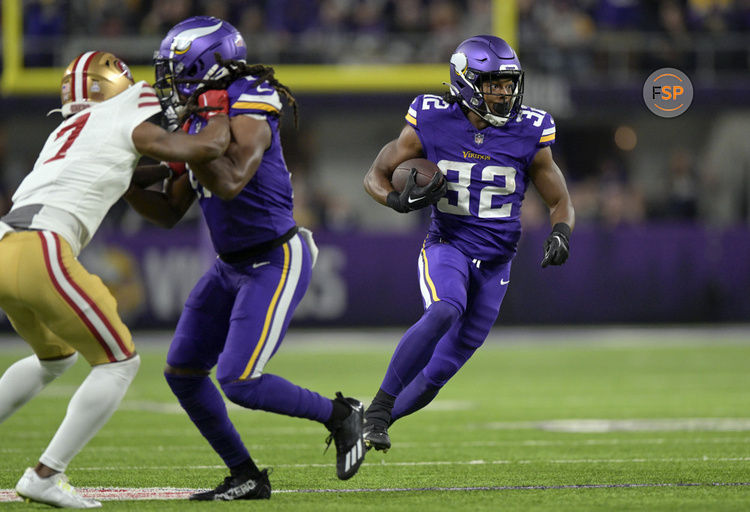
(587,41)
(345,31)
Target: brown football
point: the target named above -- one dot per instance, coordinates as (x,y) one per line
(425,171)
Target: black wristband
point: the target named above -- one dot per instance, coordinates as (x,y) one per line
(394,201)
(563,229)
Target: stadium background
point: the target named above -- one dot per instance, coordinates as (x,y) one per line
(662,205)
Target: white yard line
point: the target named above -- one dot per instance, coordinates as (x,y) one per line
(171,493)
(623,425)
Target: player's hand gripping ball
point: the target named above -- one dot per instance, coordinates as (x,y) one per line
(416,183)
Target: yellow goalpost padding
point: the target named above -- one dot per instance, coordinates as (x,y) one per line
(19,80)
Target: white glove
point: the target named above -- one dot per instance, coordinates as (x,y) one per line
(307,235)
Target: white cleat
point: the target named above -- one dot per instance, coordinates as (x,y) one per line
(55,491)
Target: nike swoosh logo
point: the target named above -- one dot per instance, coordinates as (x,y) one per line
(414,200)
(503,282)
(256,265)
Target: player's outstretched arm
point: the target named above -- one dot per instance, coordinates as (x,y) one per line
(378,178)
(149,174)
(211,142)
(226,176)
(550,183)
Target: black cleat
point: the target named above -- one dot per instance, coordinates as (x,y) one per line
(376,436)
(350,449)
(238,488)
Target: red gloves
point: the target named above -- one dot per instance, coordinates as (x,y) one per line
(177,168)
(216,101)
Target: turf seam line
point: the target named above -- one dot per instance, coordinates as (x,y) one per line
(477,462)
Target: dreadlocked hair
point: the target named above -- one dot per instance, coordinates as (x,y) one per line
(238,69)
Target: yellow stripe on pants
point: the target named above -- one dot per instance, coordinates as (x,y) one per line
(269,315)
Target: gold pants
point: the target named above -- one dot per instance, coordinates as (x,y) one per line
(55,304)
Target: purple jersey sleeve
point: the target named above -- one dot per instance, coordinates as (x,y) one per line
(547,137)
(424,115)
(539,124)
(247,98)
(412,113)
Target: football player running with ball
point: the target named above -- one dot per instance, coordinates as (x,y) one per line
(51,300)
(488,146)
(237,315)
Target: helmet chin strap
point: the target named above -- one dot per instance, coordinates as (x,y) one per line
(487,115)
(495,120)
(490,118)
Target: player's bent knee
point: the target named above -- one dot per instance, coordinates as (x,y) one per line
(243,392)
(124,370)
(53,368)
(444,312)
(183,382)
(185,372)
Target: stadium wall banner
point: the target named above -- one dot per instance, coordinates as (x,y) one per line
(646,274)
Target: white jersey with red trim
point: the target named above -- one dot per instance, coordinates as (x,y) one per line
(86,165)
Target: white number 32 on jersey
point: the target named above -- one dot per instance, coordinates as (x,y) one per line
(478,199)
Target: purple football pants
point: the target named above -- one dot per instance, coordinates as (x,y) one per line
(235,319)
(462,299)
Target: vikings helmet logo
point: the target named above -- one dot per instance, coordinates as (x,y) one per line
(459,62)
(183,41)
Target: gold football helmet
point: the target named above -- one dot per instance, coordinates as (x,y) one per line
(92,76)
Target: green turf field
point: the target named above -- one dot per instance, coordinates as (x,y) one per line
(545,420)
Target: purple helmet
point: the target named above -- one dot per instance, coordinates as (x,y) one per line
(187,54)
(482,59)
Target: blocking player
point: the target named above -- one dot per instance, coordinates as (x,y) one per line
(236,316)
(51,300)
(488,146)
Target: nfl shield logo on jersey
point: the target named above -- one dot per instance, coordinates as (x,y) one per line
(478,138)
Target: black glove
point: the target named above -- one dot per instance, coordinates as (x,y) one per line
(414,197)
(557,245)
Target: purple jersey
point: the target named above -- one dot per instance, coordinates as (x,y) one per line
(262,211)
(486,174)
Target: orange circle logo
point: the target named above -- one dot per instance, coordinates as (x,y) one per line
(668,92)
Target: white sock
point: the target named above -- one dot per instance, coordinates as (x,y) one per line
(27,377)
(89,409)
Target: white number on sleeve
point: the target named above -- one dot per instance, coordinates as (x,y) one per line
(532,113)
(430,101)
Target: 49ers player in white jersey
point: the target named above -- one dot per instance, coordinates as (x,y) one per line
(53,303)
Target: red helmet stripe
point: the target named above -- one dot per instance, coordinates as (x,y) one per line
(73,78)
(80,74)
